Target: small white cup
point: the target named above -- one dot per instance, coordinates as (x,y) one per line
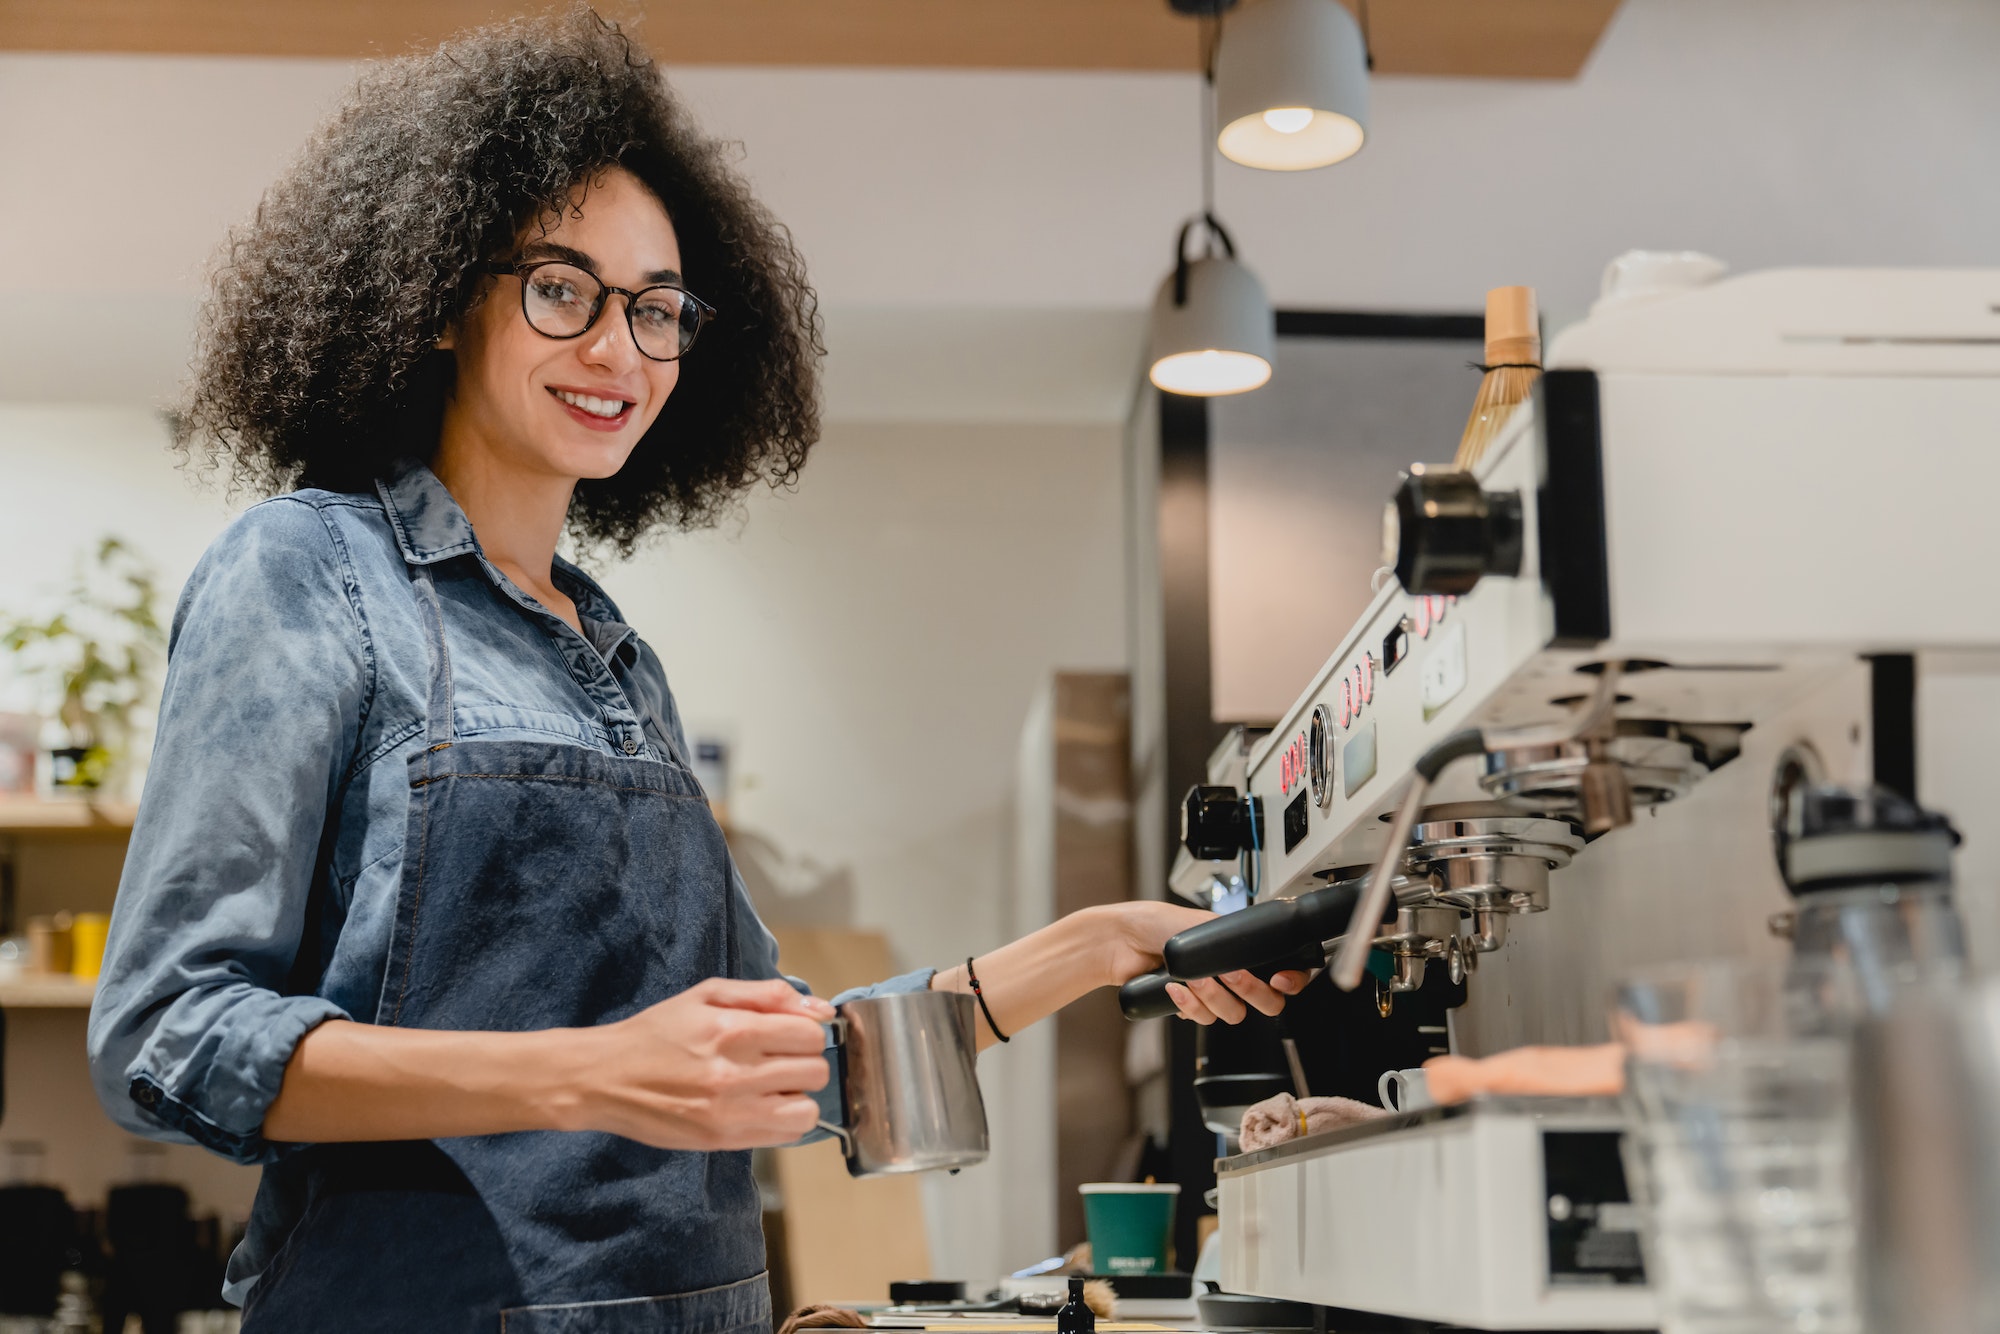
(1404,1091)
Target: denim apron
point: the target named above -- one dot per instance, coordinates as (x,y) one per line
(544,886)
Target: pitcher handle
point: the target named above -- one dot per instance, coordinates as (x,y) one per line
(838,1025)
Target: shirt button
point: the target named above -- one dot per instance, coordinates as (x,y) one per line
(631,744)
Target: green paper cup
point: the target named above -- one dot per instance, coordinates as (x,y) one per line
(1130,1225)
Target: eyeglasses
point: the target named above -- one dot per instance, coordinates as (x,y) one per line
(560,300)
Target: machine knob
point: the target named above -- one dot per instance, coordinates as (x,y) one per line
(1216,823)
(1443,533)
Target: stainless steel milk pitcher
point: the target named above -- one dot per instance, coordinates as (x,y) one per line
(908,1084)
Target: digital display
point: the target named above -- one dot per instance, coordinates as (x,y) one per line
(1295,822)
(1357,759)
(1593,1226)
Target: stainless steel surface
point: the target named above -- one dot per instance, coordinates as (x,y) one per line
(1603,790)
(1321,755)
(1295,1066)
(1494,863)
(1606,792)
(1467,862)
(1417,936)
(1606,802)
(909,1084)
(1352,960)
(1691,878)
(1546,779)
(1927,1084)
(1594,718)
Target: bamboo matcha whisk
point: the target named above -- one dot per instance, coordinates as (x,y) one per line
(1513,362)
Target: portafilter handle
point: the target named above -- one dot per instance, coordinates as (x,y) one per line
(1265,938)
(1279,933)
(1145,997)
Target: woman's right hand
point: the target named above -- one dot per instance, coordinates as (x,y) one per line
(1144,927)
(722,1065)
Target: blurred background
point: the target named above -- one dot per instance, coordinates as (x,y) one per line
(945,687)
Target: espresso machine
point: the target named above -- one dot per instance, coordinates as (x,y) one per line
(1732,550)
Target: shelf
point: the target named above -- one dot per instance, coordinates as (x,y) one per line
(46,993)
(73,815)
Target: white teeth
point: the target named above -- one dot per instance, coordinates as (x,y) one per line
(596,407)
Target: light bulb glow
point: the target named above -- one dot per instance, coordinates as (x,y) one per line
(1210,372)
(1324,138)
(1288,120)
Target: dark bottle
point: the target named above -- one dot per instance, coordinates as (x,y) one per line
(1075,1317)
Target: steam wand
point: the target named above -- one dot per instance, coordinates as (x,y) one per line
(1608,804)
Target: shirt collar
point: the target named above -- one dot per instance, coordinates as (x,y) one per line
(430,527)
(590,600)
(428,523)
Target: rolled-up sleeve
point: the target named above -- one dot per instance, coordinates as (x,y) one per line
(268,680)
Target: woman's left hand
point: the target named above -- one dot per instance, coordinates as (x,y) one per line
(1142,927)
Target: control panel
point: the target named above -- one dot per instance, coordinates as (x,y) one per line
(1415,668)
(1451,650)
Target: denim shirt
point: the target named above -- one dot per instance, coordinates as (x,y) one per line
(261,882)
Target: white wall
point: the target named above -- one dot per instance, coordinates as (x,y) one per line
(70,473)
(873,642)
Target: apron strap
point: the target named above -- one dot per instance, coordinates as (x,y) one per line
(438,727)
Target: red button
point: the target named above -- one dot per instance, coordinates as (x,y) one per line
(1365,674)
(1423,618)
(1344,711)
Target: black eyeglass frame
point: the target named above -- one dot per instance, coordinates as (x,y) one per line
(704,312)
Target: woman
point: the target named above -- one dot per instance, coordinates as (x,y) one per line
(424,910)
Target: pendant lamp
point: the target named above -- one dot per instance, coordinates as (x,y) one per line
(1212,328)
(1291,85)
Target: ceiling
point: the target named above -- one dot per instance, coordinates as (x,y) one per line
(986,243)
(1531,39)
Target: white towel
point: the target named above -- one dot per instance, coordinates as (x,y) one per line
(1283,1117)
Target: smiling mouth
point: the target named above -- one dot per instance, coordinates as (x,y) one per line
(604,409)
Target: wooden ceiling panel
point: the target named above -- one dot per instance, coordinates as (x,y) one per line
(1492,39)
(1480,38)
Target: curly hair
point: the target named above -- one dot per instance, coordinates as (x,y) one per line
(316,357)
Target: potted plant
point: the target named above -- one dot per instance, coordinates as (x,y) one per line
(93,659)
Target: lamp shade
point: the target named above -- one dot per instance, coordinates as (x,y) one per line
(1291,85)
(1213,331)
